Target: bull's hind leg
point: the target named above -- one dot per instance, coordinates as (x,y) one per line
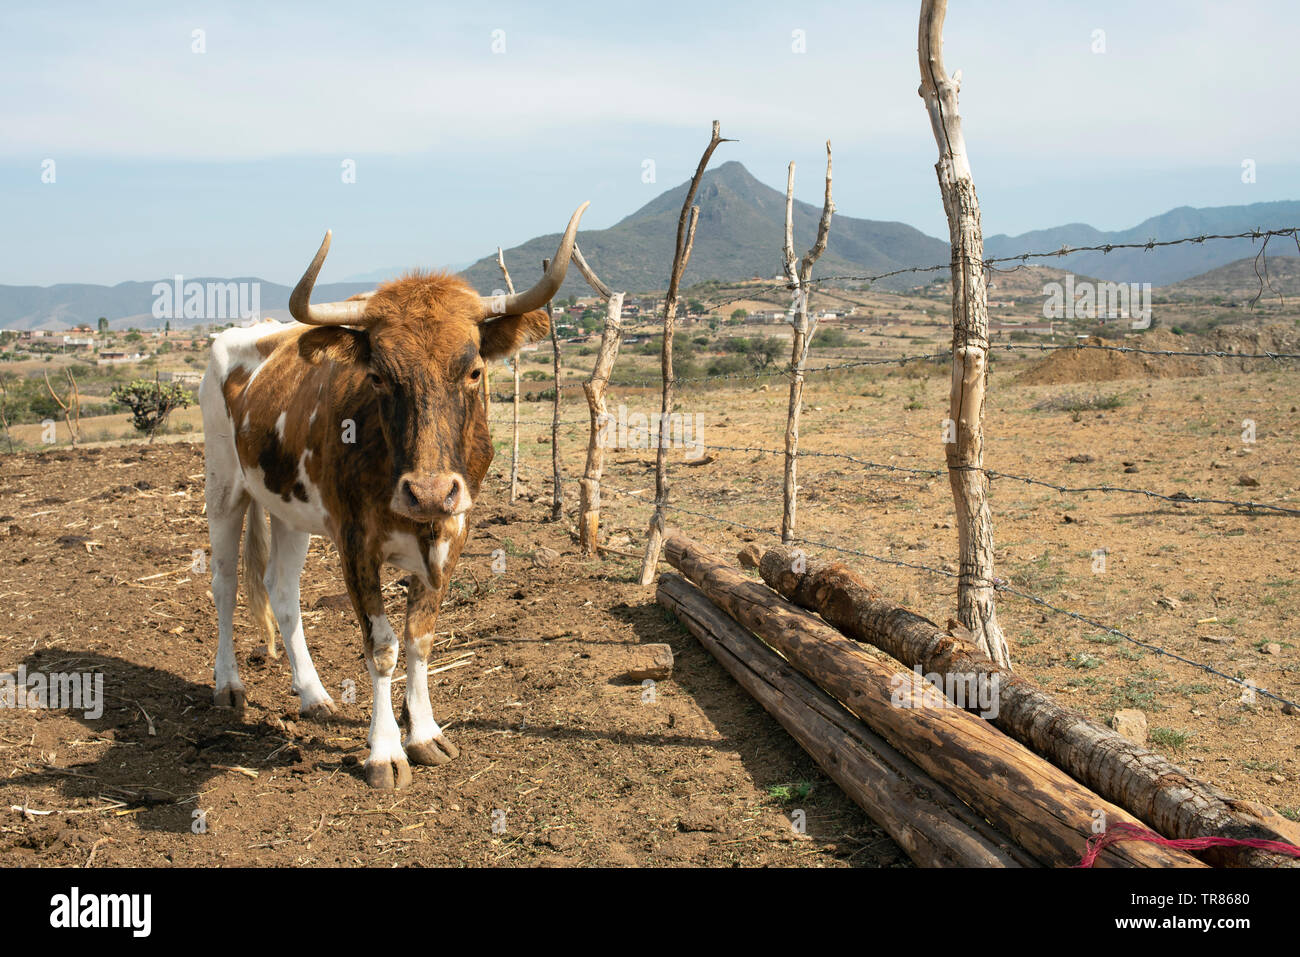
(425,742)
(283,577)
(386,767)
(225,523)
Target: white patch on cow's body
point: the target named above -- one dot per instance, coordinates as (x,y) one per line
(402,550)
(309,516)
(438,553)
(280,424)
(312,418)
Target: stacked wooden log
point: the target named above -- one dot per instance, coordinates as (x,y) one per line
(1027,783)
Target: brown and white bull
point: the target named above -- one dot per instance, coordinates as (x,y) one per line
(363,422)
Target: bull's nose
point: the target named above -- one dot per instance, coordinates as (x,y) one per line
(431,495)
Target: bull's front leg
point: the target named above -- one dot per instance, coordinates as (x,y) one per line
(425,742)
(386,767)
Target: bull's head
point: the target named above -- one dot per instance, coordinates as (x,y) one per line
(420,344)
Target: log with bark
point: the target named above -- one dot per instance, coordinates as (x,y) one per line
(1034,803)
(932,827)
(1163,795)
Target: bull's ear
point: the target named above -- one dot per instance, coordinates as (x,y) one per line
(334,344)
(503,336)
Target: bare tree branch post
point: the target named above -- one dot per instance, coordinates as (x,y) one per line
(74,399)
(4,412)
(686,223)
(557,499)
(514,364)
(964,430)
(799,272)
(595,388)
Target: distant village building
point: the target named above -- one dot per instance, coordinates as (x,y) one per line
(183,377)
(1000,330)
(117,358)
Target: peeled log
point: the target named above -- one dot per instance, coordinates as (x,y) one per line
(1159,792)
(1038,806)
(932,827)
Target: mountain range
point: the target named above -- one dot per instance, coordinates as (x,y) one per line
(739,236)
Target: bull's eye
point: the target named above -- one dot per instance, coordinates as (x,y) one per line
(475,376)
(375,379)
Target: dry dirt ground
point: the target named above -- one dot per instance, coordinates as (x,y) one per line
(95,554)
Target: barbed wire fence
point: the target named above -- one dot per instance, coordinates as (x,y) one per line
(657,433)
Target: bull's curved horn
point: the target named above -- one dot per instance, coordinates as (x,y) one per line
(347,313)
(546,287)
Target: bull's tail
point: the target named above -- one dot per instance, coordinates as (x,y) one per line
(256,550)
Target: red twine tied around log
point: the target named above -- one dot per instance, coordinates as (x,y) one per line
(1132,832)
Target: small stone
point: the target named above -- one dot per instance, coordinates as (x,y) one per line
(749,556)
(653,661)
(1166,602)
(1131,469)
(1272,648)
(1219,639)
(545,557)
(1132,724)
(1083,458)
(700,818)
(1249,481)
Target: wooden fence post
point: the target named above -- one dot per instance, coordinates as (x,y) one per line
(557,487)
(514,364)
(595,388)
(4,412)
(799,272)
(964,430)
(686,223)
(72,408)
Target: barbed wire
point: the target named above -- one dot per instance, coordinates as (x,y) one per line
(1202,354)
(1008,590)
(991,261)
(999,585)
(785,371)
(1180,498)
(1177,498)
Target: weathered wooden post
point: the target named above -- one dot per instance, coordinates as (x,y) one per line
(514,364)
(964,430)
(595,388)
(799,272)
(71,408)
(557,487)
(686,223)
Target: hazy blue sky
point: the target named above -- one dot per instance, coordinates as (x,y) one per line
(228,162)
